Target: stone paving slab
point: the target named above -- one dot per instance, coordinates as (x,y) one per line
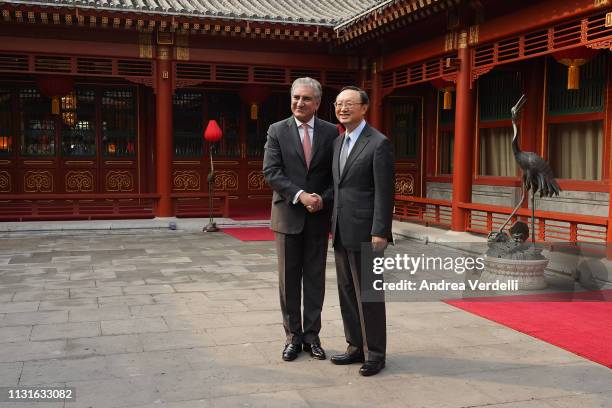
(180,319)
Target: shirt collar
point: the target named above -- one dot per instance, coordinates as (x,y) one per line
(310,123)
(354,135)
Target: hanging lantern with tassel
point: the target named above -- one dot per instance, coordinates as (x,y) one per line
(448,88)
(254,95)
(54,87)
(574,58)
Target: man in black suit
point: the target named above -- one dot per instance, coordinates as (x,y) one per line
(297,166)
(362,214)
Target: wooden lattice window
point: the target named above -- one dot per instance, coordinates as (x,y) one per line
(575,121)
(498,92)
(226,109)
(6,122)
(118,123)
(78,123)
(38,135)
(188,121)
(405,128)
(271,110)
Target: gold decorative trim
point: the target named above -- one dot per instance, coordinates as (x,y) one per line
(601,3)
(77,163)
(463,40)
(37,162)
(255,163)
(145,45)
(38,181)
(5,162)
(226,180)
(259,196)
(118,162)
(473,38)
(121,180)
(256,180)
(450,41)
(225,163)
(404,184)
(192,162)
(79,181)
(186,180)
(608,22)
(182,47)
(163,52)
(5,182)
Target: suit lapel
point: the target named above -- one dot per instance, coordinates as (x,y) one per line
(295,138)
(363,140)
(336,161)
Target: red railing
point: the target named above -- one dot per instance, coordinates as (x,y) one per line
(482,218)
(549,226)
(423,210)
(28,207)
(197,204)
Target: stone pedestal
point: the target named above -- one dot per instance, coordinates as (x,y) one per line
(528,273)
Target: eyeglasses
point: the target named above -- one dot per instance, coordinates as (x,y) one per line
(347,105)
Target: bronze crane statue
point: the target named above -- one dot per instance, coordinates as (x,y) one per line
(537,174)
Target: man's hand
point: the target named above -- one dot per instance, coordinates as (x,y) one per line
(379,243)
(312,202)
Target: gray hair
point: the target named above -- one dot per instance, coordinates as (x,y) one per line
(307,81)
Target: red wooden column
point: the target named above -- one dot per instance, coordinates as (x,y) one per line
(608,132)
(376,97)
(163,132)
(464,137)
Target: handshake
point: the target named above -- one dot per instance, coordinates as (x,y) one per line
(312,201)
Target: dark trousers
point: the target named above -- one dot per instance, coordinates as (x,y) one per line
(365,326)
(302,258)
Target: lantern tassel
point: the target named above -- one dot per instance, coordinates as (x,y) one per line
(55,105)
(573,77)
(448,99)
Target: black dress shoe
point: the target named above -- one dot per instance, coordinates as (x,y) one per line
(346,358)
(316,351)
(291,351)
(371,368)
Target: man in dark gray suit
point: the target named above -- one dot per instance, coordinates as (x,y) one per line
(362,214)
(297,166)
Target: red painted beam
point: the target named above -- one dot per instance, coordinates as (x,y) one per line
(69,47)
(536,16)
(524,20)
(315,61)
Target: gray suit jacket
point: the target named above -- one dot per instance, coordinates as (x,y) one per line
(285,170)
(363,193)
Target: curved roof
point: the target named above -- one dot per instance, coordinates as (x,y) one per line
(310,12)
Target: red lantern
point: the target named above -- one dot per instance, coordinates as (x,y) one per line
(448,87)
(573,59)
(254,95)
(213,132)
(54,87)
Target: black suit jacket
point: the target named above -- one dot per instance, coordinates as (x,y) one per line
(363,193)
(285,170)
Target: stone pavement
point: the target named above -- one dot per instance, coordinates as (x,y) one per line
(181,319)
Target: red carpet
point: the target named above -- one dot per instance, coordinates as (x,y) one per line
(579,324)
(251,233)
(251,213)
